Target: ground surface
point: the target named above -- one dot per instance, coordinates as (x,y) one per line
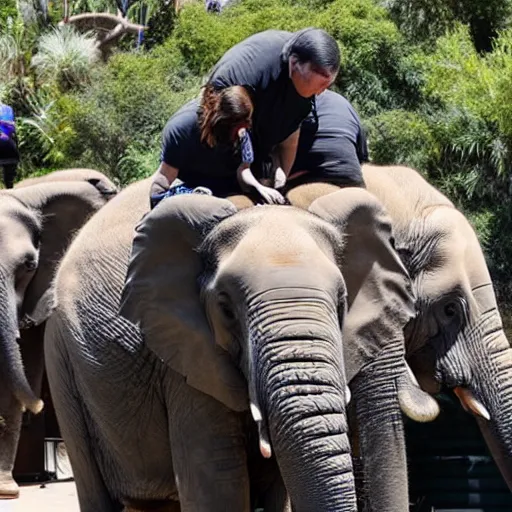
(55,497)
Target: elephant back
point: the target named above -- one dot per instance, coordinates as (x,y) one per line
(405,194)
(99,254)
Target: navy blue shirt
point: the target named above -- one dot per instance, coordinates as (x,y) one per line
(197,163)
(332,144)
(260,64)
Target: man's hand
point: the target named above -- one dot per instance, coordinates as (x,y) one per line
(270,195)
(279,178)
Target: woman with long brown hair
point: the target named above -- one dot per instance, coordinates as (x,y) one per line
(208,147)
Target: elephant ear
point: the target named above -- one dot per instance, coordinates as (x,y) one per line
(64,209)
(379,296)
(95,178)
(379,299)
(161,295)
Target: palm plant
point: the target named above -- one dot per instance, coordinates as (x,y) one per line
(65,57)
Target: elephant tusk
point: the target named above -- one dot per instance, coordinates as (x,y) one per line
(265,448)
(348,395)
(256,413)
(471,403)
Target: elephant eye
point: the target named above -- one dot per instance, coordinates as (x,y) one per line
(226,307)
(450,309)
(30,264)
(36,239)
(453,313)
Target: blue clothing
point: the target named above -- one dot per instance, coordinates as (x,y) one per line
(6,114)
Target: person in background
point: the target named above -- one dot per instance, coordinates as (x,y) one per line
(213,6)
(213,157)
(282,71)
(9,155)
(332,144)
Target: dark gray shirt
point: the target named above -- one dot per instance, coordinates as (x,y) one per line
(197,163)
(260,64)
(332,142)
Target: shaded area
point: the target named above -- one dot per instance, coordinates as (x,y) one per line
(450,466)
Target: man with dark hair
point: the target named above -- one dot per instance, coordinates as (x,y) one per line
(282,71)
(9,156)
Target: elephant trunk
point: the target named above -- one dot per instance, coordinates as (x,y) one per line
(494,391)
(11,365)
(300,386)
(381,461)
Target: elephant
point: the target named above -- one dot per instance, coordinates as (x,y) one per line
(37,223)
(223,355)
(456,338)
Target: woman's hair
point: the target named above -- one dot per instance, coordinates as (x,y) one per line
(316,47)
(221,111)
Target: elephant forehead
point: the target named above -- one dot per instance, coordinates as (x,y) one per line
(15,216)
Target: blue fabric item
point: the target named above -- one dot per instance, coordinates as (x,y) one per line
(246,148)
(173,191)
(6,114)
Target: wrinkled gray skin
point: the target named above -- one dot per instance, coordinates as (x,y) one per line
(169,440)
(457,337)
(36,226)
(274,312)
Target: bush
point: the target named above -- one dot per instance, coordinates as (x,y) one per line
(426,20)
(376,74)
(401,137)
(203,38)
(470,123)
(126,106)
(7,11)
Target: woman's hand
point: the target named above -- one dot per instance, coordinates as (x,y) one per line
(270,195)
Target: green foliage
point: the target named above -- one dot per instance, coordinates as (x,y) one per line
(375,73)
(123,111)
(203,38)
(461,137)
(402,137)
(7,11)
(65,57)
(426,20)
(139,162)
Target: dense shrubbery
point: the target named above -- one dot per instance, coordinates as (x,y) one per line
(461,136)
(428,98)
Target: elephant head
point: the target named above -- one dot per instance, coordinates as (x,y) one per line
(247,307)
(36,225)
(380,304)
(456,339)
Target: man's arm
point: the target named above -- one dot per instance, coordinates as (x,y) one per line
(287,151)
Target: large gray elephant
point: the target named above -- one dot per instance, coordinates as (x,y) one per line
(152,420)
(456,338)
(37,223)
